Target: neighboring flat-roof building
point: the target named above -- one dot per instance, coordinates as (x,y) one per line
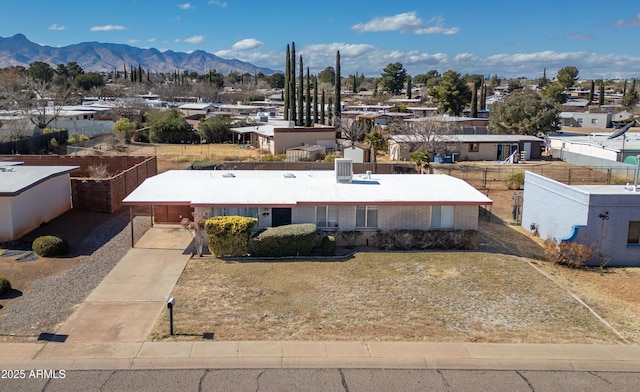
(470,147)
(31,196)
(606,217)
(279,136)
(336,201)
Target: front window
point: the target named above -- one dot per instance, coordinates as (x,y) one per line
(326,216)
(634,233)
(367,216)
(249,212)
(442,217)
(474,147)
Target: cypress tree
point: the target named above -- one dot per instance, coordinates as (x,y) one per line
(125,71)
(286,84)
(148,76)
(474,101)
(307,107)
(292,87)
(483,105)
(601,97)
(624,89)
(315,99)
(592,91)
(301,95)
(139,73)
(408,87)
(354,89)
(330,110)
(322,120)
(337,107)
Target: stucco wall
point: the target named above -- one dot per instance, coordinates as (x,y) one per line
(6,228)
(554,207)
(35,206)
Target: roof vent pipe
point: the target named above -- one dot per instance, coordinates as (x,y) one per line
(635,176)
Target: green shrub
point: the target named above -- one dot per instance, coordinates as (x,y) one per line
(229,235)
(288,240)
(5,286)
(274,158)
(515,181)
(49,246)
(328,246)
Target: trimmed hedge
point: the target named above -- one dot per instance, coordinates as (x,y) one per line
(288,240)
(229,235)
(49,246)
(5,286)
(328,246)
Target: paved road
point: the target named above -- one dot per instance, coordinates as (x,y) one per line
(350,380)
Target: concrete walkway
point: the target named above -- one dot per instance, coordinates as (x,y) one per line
(109,331)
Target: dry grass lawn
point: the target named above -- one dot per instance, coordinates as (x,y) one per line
(414,296)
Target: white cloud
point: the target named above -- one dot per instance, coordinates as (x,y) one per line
(151,40)
(218,3)
(408,21)
(247,44)
(196,39)
(186,6)
(56,27)
(634,21)
(107,28)
(133,41)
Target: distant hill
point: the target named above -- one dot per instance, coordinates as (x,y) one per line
(105,57)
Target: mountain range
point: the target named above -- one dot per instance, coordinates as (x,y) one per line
(106,57)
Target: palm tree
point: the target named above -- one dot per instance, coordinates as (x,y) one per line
(376,142)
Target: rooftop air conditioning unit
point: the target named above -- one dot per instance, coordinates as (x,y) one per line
(344,170)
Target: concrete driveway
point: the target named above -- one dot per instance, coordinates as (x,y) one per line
(126,304)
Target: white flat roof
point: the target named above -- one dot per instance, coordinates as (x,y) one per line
(488,138)
(274,188)
(16,179)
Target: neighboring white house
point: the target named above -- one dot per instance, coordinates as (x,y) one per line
(605,216)
(31,196)
(336,201)
(279,136)
(598,147)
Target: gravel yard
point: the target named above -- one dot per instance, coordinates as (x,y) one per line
(47,290)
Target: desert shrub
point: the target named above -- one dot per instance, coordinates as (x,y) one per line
(427,239)
(229,235)
(5,286)
(331,157)
(515,181)
(570,254)
(274,158)
(77,138)
(328,246)
(288,240)
(49,246)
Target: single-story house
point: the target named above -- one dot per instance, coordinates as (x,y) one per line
(336,201)
(488,147)
(596,149)
(586,119)
(189,109)
(605,216)
(279,136)
(31,196)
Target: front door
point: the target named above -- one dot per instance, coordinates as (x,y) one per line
(280,216)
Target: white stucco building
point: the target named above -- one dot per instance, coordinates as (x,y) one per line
(31,196)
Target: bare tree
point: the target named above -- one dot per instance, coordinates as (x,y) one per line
(430,134)
(354,132)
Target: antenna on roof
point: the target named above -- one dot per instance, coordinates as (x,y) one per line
(622,130)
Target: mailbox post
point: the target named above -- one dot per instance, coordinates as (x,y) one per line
(170,304)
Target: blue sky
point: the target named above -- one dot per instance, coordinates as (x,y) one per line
(508,38)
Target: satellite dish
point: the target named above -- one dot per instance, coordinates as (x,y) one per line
(622,130)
